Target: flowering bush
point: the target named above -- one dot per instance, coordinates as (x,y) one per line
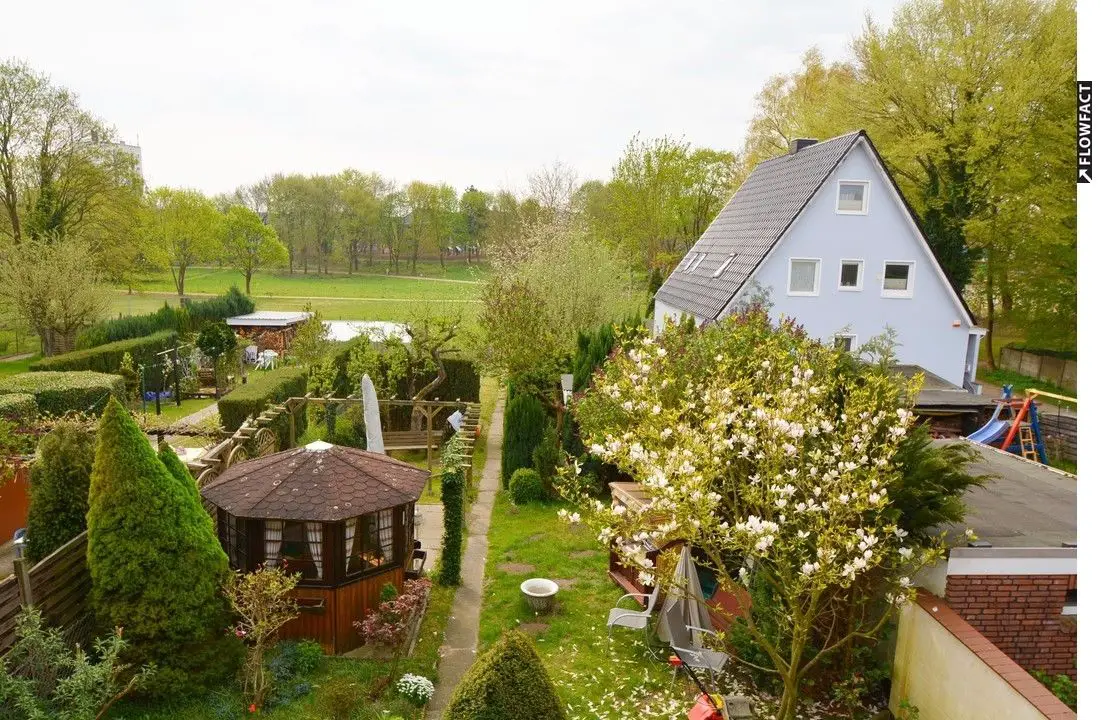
(417,689)
(772,455)
(390,624)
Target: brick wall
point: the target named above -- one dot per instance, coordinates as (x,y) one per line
(1022,616)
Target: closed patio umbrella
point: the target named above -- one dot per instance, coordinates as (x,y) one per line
(685,605)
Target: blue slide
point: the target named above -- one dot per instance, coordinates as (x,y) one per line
(991,432)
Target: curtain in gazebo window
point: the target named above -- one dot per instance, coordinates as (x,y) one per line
(313,537)
(273,541)
(349,542)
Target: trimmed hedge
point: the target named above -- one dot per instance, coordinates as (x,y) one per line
(107,358)
(525,486)
(57,393)
(184,319)
(451,555)
(263,389)
(508,681)
(19,408)
(1060,354)
(525,422)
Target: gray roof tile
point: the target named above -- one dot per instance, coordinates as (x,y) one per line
(750,225)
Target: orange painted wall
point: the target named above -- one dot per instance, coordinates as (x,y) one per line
(14,501)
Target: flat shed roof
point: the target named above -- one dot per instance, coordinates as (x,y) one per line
(268,318)
(1025,504)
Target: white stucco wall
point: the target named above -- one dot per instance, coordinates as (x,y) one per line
(664,314)
(924,322)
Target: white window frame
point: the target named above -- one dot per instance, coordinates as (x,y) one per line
(699,259)
(859,275)
(909,291)
(685,261)
(867,191)
(817,276)
(853,346)
(724,266)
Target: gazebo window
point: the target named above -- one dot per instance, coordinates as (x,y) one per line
(372,545)
(298,543)
(234,539)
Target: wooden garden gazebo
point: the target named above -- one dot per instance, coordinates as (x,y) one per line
(342,517)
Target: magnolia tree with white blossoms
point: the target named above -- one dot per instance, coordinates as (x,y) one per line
(770,454)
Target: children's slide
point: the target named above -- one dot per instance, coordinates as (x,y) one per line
(993,430)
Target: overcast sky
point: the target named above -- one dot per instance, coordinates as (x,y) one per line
(222,93)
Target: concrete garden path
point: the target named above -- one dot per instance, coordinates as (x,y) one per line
(460,645)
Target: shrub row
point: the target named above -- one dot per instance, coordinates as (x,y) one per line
(1060,354)
(106,358)
(264,389)
(183,319)
(57,393)
(19,408)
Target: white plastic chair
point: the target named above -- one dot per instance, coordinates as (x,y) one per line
(634,619)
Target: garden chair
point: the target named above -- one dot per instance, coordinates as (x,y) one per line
(251,353)
(696,656)
(635,619)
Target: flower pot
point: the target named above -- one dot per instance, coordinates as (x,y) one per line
(540,593)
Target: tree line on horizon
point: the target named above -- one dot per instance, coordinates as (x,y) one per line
(970,102)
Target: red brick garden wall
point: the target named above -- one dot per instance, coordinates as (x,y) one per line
(1022,615)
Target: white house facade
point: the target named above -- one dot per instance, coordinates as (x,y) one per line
(825,230)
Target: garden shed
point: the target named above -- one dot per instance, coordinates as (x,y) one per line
(340,516)
(269,329)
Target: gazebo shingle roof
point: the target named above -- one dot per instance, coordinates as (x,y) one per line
(319,482)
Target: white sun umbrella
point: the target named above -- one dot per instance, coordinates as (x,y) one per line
(372,421)
(685,605)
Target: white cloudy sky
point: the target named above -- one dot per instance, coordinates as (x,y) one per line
(222,93)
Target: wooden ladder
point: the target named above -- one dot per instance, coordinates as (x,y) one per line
(1028,442)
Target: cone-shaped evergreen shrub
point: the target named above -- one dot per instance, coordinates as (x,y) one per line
(508,681)
(156,566)
(525,420)
(179,471)
(59,488)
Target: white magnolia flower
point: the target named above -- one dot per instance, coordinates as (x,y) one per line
(575,518)
(905,552)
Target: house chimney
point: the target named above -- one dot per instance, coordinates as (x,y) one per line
(799,143)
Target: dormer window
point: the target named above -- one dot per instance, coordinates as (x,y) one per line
(852,197)
(724,266)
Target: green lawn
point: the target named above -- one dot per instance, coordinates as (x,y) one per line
(217,280)
(171,413)
(12,367)
(596,677)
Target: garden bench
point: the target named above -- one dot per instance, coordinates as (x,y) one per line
(411,439)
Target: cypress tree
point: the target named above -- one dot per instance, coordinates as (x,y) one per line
(179,471)
(59,489)
(451,554)
(525,419)
(155,564)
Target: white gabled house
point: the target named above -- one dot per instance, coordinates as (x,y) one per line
(826,230)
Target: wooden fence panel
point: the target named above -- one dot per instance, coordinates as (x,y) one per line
(9,608)
(61,588)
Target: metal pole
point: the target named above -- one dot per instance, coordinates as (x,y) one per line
(176,373)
